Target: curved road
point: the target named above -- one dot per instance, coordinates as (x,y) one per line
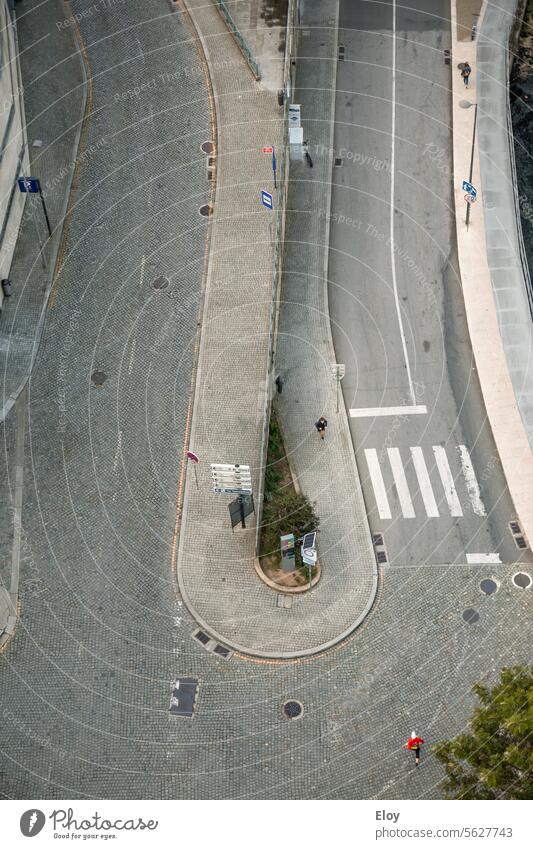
(430,471)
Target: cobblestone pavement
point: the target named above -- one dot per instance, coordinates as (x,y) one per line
(52,77)
(86,682)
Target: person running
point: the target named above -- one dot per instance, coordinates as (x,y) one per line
(413,744)
(321,426)
(465,73)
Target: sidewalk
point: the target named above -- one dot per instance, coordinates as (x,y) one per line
(500,401)
(53,80)
(54,92)
(215,567)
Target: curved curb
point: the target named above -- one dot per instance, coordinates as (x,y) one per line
(287,590)
(57,243)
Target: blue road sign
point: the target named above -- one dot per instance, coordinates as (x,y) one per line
(469,188)
(28,184)
(266,199)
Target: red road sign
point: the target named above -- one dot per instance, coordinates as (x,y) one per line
(193,457)
(268,150)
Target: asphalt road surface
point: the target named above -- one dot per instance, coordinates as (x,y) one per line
(430,471)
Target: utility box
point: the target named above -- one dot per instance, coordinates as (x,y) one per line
(288,555)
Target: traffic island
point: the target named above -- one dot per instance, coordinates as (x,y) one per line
(287,517)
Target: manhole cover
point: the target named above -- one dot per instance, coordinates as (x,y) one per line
(488,586)
(522,580)
(160,282)
(207,147)
(206,209)
(470,615)
(293,709)
(98,377)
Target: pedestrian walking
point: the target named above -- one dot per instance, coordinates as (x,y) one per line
(465,73)
(413,744)
(321,426)
(307,154)
(279,384)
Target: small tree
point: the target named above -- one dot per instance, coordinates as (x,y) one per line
(495,760)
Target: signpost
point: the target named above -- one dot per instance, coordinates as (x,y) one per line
(266,199)
(231,478)
(33,186)
(469,188)
(271,150)
(194,458)
(308,551)
(338,370)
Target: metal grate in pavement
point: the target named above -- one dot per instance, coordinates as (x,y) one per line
(202,637)
(519,538)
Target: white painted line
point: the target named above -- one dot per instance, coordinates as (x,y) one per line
(424,482)
(471,481)
(447,480)
(391,240)
(380,493)
(483,558)
(400,480)
(370,412)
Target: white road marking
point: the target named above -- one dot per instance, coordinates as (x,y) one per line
(400,480)
(380,493)
(424,482)
(447,480)
(471,481)
(371,412)
(392,164)
(483,558)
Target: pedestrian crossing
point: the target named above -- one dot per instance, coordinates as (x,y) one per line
(424,481)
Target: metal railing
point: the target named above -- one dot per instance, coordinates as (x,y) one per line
(243,45)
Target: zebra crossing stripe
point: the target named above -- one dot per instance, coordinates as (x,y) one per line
(447,480)
(471,481)
(400,480)
(378,484)
(424,482)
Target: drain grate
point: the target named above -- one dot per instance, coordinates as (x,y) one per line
(488,586)
(470,616)
(222,651)
(338,162)
(519,538)
(98,377)
(293,709)
(341,53)
(522,580)
(201,637)
(447,57)
(206,210)
(379,546)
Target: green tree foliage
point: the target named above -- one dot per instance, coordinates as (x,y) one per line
(495,760)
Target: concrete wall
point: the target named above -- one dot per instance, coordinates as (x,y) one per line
(505,251)
(13,146)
